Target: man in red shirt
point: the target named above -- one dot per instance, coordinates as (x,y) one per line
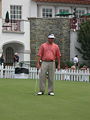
(48,53)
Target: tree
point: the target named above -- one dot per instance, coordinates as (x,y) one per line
(84,40)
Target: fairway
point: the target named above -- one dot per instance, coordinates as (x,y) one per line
(19,102)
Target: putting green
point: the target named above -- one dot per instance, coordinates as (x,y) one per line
(19,102)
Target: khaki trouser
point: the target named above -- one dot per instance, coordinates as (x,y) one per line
(50,68)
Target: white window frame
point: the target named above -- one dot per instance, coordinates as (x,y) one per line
(78,13)
(63,9)
(46,7)
(16,12)
(47,13)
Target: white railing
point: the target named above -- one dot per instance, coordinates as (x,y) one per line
(7,71)
(73,75)
(68,74)
(13,26)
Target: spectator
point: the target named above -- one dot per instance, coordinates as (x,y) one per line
(2,59)
(16,59)
(75,60)
(84,70)
(73,67)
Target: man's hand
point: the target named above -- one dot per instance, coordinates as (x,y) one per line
(38,66)
(38,63)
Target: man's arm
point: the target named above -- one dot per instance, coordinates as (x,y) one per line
(38,62)
(39,56)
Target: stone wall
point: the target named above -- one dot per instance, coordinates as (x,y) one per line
(40,28)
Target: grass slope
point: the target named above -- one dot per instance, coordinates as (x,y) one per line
(18,101)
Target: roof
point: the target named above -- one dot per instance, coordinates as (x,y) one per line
(66,1)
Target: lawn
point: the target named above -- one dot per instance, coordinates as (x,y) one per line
(19,102)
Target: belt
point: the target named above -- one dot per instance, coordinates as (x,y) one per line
(48,60)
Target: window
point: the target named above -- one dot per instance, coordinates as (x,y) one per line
(16,12)
(63,10)
(79,13)
(47,12)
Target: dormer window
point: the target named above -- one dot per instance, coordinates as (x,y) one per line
(47,13)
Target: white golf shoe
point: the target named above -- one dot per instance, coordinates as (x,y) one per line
(51,93)
(40,93)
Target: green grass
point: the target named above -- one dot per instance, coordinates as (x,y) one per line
(19,102)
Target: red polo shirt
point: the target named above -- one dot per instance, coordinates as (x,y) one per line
(49,52)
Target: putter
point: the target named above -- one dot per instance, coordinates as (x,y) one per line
(36,82)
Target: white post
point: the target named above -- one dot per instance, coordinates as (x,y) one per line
(2,70)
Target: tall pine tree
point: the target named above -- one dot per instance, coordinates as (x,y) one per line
(84,40)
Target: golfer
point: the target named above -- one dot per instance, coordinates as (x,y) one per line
(48,53)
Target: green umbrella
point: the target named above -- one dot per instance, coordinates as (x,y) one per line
(63,14)
(7,17)
(86,15)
